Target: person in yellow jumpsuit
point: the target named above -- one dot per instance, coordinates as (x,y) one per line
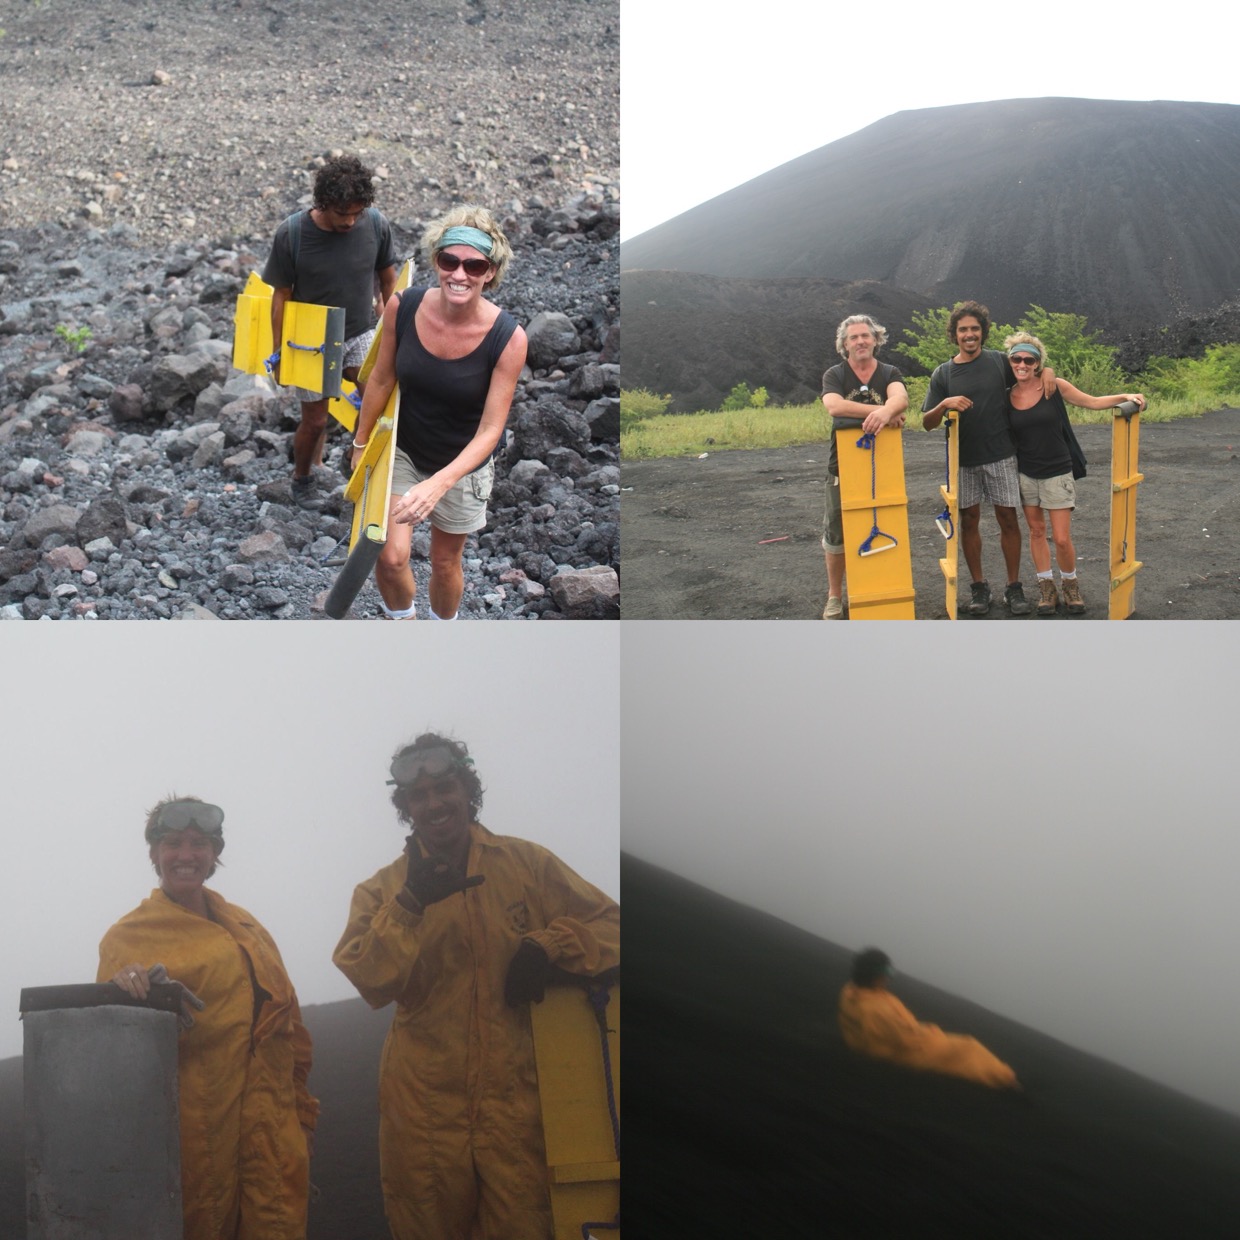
(461,932)
(246,1113)
(874,1022)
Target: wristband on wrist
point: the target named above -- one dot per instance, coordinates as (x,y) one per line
(360,445)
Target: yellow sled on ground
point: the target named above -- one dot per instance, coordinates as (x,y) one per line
(874,506)
(577,1050)
(369,489)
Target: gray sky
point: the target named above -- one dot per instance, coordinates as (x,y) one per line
(289,727)
(713,98)
(1040,820)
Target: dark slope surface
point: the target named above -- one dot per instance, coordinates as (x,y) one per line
(1122,211)
(748,1117)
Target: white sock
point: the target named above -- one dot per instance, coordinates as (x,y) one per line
(410,612)
(1067,576)
(1049,575)
(435,617)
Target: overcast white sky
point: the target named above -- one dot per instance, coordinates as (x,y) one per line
(1044,826)
(713,97)
(290,728)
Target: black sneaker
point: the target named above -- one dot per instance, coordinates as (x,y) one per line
(1014,597)
(979,603)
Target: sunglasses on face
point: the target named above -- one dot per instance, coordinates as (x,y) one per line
(178,815)
(1023,361)
(409,767)
(473,266)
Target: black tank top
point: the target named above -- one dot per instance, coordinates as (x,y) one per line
(441,401)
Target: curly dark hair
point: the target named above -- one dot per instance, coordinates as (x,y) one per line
(464,772)
(343,181)
(870,965)
(976,310)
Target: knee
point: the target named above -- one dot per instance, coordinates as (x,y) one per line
(445,561)
(314,415)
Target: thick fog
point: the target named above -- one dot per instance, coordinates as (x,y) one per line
(1040,819)
(290,729)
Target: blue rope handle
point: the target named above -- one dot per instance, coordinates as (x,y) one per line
(867,547)
(309,348)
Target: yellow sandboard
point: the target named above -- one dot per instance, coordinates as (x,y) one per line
(312,347)
(1125,434)
(948,521)
(877,560)
(252,327)
(369,488)
(583,1160)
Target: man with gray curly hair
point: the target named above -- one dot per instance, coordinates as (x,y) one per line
(861,393)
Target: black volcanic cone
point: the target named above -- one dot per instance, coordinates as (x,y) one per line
(747,1116)
(1124,212)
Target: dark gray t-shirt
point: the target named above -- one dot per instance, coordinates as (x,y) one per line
(843,381)
(334,269)
(985,431)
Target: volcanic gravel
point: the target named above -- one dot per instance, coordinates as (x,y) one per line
(147,154)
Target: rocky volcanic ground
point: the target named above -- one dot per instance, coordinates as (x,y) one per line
(147,154)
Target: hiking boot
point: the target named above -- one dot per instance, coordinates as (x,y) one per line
(979,603)
(1073,604)
(303,493)
(834,610)
(1048,603)
(1014,597)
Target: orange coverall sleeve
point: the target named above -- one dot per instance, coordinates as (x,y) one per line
(380,944)
(582,934)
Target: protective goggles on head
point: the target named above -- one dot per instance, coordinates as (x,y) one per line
(178,815)
(408,767)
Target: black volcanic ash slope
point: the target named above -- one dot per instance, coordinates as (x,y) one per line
(747,1116)
(1125,212)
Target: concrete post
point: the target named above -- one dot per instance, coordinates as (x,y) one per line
(103,1155)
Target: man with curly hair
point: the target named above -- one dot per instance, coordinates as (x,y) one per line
(463,931)
(338,253)
(975,383)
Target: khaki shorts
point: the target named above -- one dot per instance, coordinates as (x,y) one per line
(1056,492)
(461,510)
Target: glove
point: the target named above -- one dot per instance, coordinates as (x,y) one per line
(431,879)
(527,975)
(158,973)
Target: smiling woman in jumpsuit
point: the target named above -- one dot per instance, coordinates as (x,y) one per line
(244,1056)
(460,932)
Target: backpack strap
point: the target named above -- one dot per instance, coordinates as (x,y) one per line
(294,236)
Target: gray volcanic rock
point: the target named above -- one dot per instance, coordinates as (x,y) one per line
(1124,212)
(140,477)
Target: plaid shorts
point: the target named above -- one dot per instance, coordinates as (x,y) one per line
(355,351)
(997,483)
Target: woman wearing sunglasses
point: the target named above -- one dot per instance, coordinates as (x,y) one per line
(1044,451)
(246,1115)
(457,358)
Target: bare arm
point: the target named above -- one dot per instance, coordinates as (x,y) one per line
(416,503)
(1075,396)
(875,417)
(387,282)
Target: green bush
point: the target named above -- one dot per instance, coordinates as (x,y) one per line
(759,398)
(740,397)
(638,405)
(77,338)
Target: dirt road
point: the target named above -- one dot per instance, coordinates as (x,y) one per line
(693,530)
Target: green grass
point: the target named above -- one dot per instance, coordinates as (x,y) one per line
(691,434)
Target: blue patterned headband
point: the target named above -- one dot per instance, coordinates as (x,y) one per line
(460,234)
